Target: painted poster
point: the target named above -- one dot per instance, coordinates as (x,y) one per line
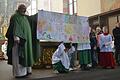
(58,27)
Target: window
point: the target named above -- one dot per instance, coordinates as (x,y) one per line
(72,6)
(32,9)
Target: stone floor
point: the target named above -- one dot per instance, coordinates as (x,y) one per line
(47,74)
(6,72)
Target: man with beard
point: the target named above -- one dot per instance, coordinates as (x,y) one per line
(19,49)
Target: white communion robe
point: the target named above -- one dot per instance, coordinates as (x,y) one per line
(60,55)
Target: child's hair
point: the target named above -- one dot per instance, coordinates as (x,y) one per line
(67,45)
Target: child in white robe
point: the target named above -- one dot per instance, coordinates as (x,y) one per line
(60,59)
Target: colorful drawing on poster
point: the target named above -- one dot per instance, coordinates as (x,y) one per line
(61,27)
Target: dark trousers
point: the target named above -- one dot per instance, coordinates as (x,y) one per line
(94,57)
(117,56)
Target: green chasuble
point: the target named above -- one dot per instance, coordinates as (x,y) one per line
(19,26)
(35,42)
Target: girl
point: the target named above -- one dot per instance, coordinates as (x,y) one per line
(106,51)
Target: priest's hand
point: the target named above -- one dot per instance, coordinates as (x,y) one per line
(16,39)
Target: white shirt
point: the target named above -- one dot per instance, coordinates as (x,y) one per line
(83,46)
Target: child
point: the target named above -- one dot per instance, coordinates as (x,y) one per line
(71,56)
(60,59)
(106,52)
